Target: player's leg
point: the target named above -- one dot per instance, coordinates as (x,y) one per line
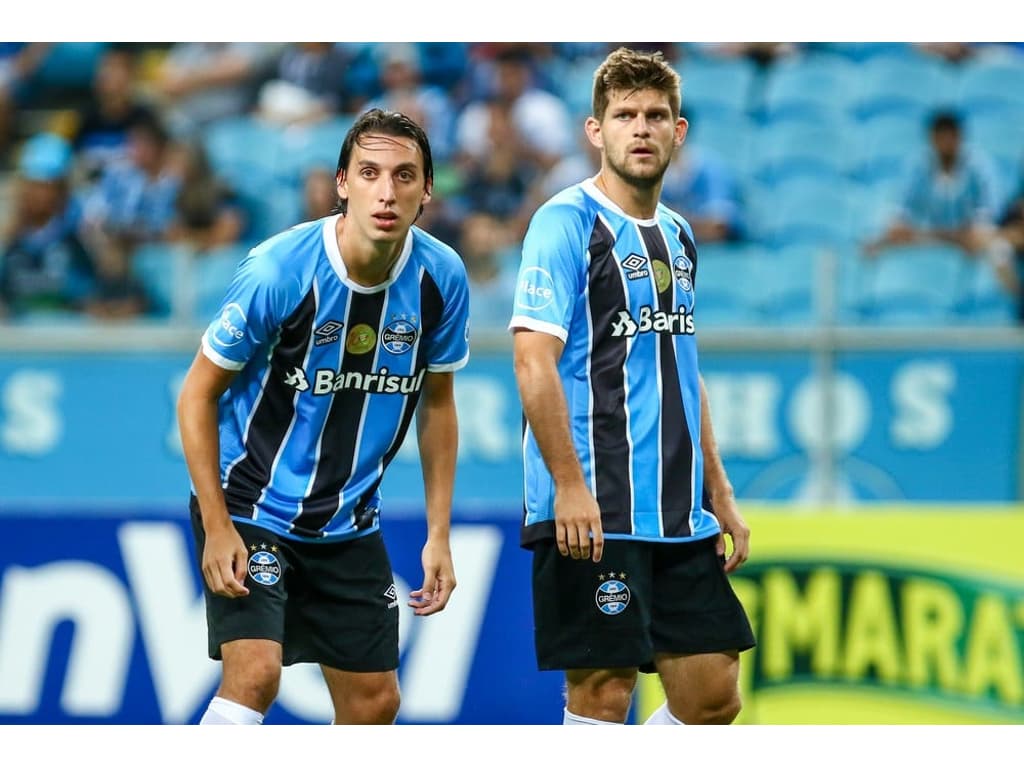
(698,627)
(362,698)
(700,689)
(346,620)
(598,696)
(592,620)
(246,634)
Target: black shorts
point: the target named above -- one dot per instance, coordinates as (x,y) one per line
(643,598)
(327,603)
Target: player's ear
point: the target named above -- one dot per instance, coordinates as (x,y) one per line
(341,181)
(682,125)
(593,130)
(428,191)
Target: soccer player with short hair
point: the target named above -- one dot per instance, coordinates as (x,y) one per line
(626,498)
(332,335)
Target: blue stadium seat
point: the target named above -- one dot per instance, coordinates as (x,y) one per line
(882,147)
(726,286)
(243,150)
(312,146)
(730,136)
(814,86)
(992,85)
(912,85)
(716,86)
(808,211)
(918,285)
(786,280)
(985,302)
(211,276)
(789,149)
(164,269)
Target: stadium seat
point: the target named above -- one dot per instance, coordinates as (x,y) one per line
(726,289)
(806,148)
(787,282)
(808,211)
(164,270)
(243,150)
(992,85)
(918,284)
(717,86)
(212,273)
(730,136)
(813,86)
(882,147)
(910,84)
(985,302)
(312,146)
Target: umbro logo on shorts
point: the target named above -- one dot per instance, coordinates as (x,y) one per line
(391,593)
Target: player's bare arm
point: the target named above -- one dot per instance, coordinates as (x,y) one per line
(438,436)
(721,492)
(224,555)
(578,531)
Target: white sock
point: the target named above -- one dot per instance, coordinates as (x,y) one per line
(225,712)
(568,718)
(661,716)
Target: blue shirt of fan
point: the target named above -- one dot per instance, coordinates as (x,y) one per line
(330,373)
(619,292)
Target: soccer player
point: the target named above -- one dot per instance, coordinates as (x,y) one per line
(330,337)
(626,499)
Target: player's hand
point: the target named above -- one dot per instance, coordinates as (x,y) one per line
(733,526)
(225,561)
(578,531)
(438,579)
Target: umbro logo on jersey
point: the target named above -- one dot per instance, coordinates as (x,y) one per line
(328,332)
(297,380)
(678,323)
(635,266)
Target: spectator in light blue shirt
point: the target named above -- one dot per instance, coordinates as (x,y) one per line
(950,194)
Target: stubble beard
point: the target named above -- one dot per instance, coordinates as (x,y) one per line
(648,180)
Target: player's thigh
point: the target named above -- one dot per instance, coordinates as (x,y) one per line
(250,666)
(702,686)
(362,697)
(591,615)
(345,616)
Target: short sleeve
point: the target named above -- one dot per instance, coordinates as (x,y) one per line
(448,348)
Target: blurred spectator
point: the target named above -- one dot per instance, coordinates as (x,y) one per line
(1006,251)
(44,265)
(762,54)
(203,82)
(319,194)
(207,211)
(135,199)
(582,164)
(491,269)
(497,182)
(951,52)
(18,63)
(949,196)
(405,91)
(307,86)
(101,135)
(540,117)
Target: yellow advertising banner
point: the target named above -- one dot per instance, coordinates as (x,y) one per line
(881,615)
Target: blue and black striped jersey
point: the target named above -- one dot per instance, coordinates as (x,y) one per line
(330,373)
(619,292)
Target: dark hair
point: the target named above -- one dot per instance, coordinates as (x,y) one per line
(388,123)
(627,70)
(944,120)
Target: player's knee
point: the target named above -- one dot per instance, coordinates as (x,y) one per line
(602,696)
(720,709)
(256,687)
(375,707)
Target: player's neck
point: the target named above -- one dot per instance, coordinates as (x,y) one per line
(367,262)
(638,202)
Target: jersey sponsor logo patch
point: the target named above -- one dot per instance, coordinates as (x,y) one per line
(230,327)
(662,276)
(399,336)
(679,323)
(682,268)
(264,567)
(297,379)
(635,267)
(328,380)
(536,289)
(361,339)
(612,596)
(328,332)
